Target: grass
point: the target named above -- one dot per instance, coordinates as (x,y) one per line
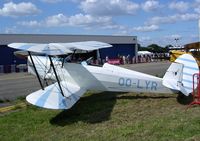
(106,116)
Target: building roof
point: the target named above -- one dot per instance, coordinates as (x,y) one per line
(195,45)
(48,38)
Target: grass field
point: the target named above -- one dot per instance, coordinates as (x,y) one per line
(106,116)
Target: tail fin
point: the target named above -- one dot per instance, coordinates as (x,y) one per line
(179,75)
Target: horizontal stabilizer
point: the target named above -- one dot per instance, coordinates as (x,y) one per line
(52,98)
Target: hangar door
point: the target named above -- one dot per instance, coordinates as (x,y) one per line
(118,50)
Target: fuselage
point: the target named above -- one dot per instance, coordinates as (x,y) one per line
(114,78)
(105,78)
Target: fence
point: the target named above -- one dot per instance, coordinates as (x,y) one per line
(13,68)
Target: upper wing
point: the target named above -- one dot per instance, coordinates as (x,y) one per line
(87,45)
(49,49)
(60,48)
(52,98)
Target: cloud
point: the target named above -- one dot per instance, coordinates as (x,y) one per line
(197,10)
(81,20)
(150,5)
(196,6)
(146,28)
(11,30)
(161,40)
(75,1)
(121,33)
(107,8)
(199,28)
(173,37)
(30,23)
(194,37)
(52,1)
(88,20)
(182,39)
(125,30)
(198,1)
(179,6)
(173,18)
(21,9)
(56,20)
(144,39)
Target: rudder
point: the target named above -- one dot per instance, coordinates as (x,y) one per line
(179,76)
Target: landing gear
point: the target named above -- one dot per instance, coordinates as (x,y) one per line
(185,100)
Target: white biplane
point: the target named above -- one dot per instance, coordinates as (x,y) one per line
(72,80)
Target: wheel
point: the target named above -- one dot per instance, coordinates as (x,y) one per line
(183,99)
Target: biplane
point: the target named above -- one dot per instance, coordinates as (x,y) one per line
(71,80)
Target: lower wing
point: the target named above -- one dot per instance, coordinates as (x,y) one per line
(52,98)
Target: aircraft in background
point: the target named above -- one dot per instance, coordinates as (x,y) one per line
(72,80)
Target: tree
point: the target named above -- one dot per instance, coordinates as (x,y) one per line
(167,47)
(154,48)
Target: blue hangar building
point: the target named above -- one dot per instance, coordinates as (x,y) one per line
(122,45)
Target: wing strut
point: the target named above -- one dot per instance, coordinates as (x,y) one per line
(73,54)
(35,70)
(51,62)
(100,57)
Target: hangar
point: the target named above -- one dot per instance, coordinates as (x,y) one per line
(122,45)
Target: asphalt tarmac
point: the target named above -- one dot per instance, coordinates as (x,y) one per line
(15,85)
(154,68)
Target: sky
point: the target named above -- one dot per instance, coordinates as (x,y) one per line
(152,21)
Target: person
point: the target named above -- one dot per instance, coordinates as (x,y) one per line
(124,59)
(127,59)
(139,59)
(107,58)
(156,57)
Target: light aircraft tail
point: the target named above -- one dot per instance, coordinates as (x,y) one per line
(179,75)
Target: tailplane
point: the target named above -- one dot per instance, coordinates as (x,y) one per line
(179,75)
